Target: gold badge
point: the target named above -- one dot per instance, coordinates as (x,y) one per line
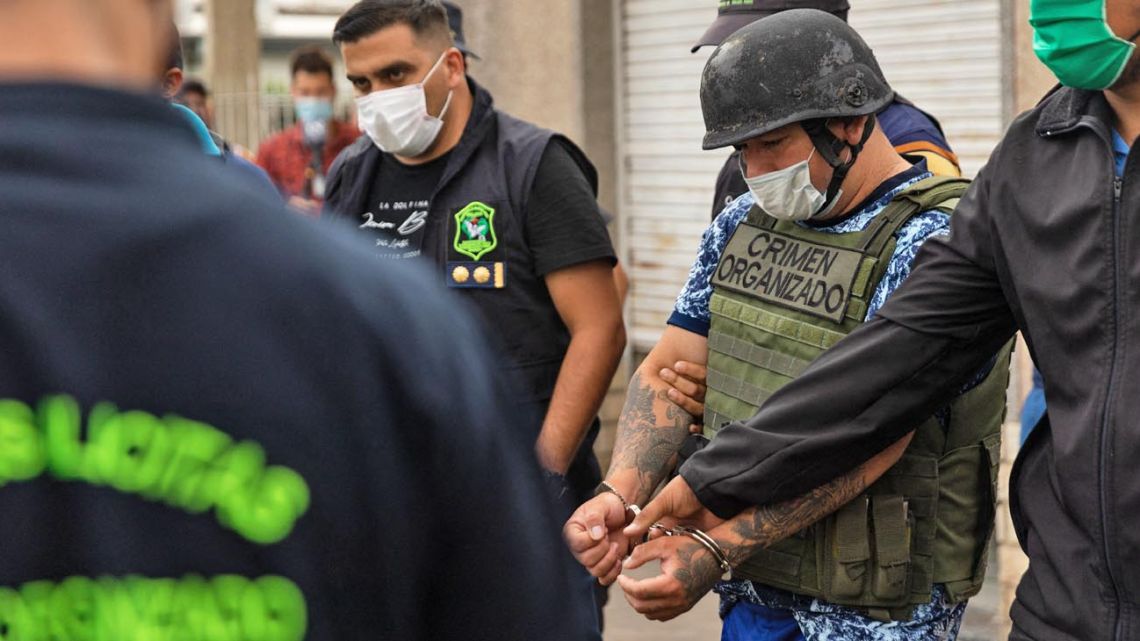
(482,275)
(460,274)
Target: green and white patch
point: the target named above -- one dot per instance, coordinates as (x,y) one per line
(475,230)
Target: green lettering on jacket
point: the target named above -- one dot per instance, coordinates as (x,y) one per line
(181,463)
(225,608)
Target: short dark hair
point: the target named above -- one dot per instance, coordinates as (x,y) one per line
(193,85)
(174,59)
(425,17)
(310,59)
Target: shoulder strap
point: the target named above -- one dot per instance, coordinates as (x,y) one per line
(937,192)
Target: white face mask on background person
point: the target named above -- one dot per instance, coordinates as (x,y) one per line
(397,120)
(788,194)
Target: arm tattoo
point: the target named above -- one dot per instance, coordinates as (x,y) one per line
(762,526)
(698,571)
(650,431)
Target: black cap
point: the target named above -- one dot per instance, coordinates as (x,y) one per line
(455,22)
(731,15)
(174,59)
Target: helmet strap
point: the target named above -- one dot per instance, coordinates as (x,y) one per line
(831,149)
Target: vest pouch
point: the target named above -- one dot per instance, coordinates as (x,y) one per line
(890,521)
(963,566)
(847,557)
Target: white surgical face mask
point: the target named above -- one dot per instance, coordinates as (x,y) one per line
(788,194)
(397,120)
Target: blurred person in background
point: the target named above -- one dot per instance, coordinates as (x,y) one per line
(298,159)
(211,142)
(196,96)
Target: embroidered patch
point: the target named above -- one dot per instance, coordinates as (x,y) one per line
(475,230)
(789,272)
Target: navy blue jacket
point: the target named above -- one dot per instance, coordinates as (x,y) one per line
(322,435)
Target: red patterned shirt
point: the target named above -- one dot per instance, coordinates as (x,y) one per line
(286,157)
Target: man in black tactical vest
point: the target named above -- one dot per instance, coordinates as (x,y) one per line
(830,227)
(505,211)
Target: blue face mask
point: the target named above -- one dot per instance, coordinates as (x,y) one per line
(311,110)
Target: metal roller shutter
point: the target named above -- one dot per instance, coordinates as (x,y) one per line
(946,57)
(667,190)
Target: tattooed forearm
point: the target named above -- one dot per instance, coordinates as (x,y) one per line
(762,526)
(649,434)
(698,571)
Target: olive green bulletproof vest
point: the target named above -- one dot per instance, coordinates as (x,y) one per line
(783,294)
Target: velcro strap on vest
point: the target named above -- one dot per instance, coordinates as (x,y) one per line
(761,357)
(738,388)
(773,323)
(892,546)
(851,542)
(846,574)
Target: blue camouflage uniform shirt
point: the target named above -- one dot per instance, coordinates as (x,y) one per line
(818,620)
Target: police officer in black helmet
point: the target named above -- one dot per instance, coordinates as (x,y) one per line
(915,134)
(828,230)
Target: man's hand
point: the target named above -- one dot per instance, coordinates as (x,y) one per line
(676,502)
(687,386)
(688,572)
(594,535)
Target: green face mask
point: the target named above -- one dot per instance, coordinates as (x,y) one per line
(1073,39)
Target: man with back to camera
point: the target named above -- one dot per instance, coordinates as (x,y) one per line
(1042,243)
(833,218)
(203,408)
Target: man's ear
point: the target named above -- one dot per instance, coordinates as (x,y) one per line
(456,67)
(849,130)
(171,82)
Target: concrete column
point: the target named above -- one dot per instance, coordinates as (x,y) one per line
(232,57)
(531,59)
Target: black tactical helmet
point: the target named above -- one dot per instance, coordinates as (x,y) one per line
(795,66)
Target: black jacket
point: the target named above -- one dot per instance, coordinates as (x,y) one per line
(134,270)
(494,163)
(1046,241)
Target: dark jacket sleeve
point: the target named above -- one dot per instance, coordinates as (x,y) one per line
(877,384)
